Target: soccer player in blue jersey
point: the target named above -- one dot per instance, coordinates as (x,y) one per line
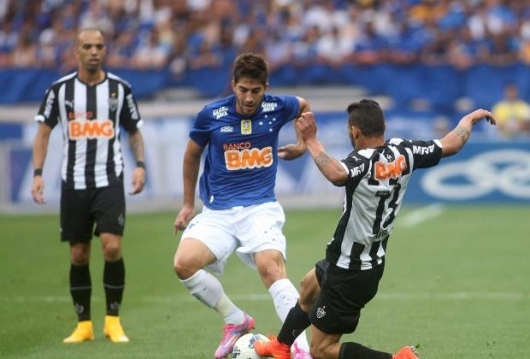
(240,213)
(375,177)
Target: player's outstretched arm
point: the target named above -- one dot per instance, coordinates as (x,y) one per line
(330,167)
(455,140)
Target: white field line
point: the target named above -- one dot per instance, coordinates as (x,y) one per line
(422,214)
(456,296)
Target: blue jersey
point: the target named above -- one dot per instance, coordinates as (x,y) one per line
(242,152)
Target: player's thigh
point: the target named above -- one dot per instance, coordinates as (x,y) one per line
(309,290)
(343,294)
(77,221)
(108,208)
(261,228)
(192,255)
(214,229)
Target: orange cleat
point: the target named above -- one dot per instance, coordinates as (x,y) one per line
(407,352)
(272,348)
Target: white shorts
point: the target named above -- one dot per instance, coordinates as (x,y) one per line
(246,230)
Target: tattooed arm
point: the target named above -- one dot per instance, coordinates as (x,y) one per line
(136,143)
(455,140)
(330,167)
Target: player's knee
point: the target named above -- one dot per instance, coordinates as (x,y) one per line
(112,252)
(309,290)
(319,351)
(185,266)
(180,268)
(271,273)
(111,246)
(191,256)
(306,301)
(316,352)
(271,266)
(79,254)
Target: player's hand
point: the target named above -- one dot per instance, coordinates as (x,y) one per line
(138,181)
(291,151)
(481,114)
(307,126)
(185,215)
(37,190)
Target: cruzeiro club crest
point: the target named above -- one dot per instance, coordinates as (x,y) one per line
(246,127)
(113,102)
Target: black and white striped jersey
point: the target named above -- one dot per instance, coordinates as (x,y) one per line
(91,118)
(376,185)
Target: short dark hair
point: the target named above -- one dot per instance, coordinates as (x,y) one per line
(368,116)
(251,65)
(90,29)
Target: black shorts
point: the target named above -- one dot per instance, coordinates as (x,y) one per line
(81,209)
(343,293)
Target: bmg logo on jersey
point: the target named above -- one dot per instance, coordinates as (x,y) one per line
(394,169)
(83,129)
(243,156)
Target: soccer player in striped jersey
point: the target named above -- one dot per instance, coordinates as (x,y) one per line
(93,107)
(375,177)
(240,213)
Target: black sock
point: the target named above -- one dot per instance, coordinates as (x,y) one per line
(81,290)
(355,350)
(114,283)
(295,323)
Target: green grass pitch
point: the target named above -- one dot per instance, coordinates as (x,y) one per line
(456,282)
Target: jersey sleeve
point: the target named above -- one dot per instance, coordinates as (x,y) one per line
(200,132)
(357,166)
(292,102)
(130,115)
(49,110)
(424,153)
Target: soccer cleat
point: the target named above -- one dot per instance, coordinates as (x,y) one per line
(82,333)
(273,349)
(299,353)
(113,330)
(407,352)
(231,333)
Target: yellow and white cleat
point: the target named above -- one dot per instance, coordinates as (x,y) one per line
(114,331)
(82,333)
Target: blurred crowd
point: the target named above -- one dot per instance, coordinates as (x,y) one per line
(190,34)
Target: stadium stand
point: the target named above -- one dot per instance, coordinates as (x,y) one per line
(426,61)
(432,52)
